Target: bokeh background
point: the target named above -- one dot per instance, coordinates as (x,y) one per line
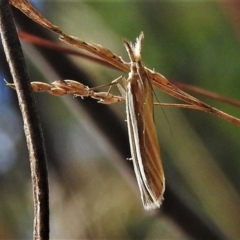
(93,192)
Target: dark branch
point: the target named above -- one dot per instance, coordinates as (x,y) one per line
(31,121)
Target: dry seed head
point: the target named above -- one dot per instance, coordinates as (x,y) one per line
(101,95)
(40,86)
(108,101)
(57,91)
(60,84)
(63,86)
(83,93)
(76,84)
(112,100)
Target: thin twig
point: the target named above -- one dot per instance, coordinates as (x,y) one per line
(206,93)
(32,126)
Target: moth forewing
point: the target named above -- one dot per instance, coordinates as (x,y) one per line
(142,133)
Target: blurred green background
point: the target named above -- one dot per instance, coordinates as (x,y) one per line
(93,196)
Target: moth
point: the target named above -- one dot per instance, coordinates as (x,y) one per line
(143,139)
(138,95)
(139,104)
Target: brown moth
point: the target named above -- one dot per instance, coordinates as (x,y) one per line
(141,129)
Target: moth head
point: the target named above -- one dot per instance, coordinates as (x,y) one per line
(134,50)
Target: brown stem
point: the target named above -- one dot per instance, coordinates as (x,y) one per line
(31,121)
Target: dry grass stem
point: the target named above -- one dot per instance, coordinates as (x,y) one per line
(157,79)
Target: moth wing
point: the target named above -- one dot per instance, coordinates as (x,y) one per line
(144,143)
